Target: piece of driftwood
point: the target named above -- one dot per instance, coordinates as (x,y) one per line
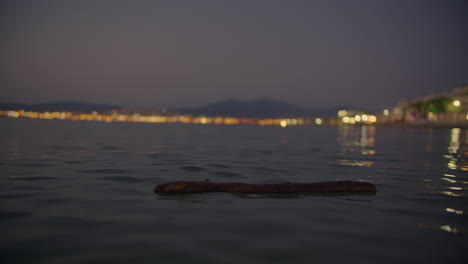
(319,187)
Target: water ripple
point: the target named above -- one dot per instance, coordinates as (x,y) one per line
(192,168)
(12,214)
(225,173)
(34,178)
(218,165)
(75,162)
(125,179)
(38,165)
(105,171)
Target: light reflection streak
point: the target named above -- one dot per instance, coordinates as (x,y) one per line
(464,167)
(357,140)
(457,161)
(457,151)
(452,164)
(452,148)
(14,149)
(451,194)
(449,229)
(449,180)
(357,163)
(454,211)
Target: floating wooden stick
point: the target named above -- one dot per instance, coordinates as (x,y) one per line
(319,187)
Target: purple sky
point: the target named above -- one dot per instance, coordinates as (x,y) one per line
(185,53)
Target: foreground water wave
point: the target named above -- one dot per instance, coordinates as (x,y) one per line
(82,192)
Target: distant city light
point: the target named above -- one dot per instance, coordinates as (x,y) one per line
(431,116)
(349,117)
(342,113)
(13,114)
(185,119)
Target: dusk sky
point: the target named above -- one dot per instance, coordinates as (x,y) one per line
(367,54)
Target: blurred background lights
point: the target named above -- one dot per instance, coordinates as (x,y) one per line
(342,113)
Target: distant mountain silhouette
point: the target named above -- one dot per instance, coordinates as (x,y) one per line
(66,106)
(257,108)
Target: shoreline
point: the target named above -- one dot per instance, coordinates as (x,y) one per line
(427,124)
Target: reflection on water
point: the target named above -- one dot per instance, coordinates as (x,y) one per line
(456,162)
(457,151)
(449,229)
(14,149)
(453,147)
(357,140)
(453,179)
(451,210)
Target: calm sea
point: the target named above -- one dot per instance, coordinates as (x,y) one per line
(82,192)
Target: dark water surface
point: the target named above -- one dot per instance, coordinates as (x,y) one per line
(82,192)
